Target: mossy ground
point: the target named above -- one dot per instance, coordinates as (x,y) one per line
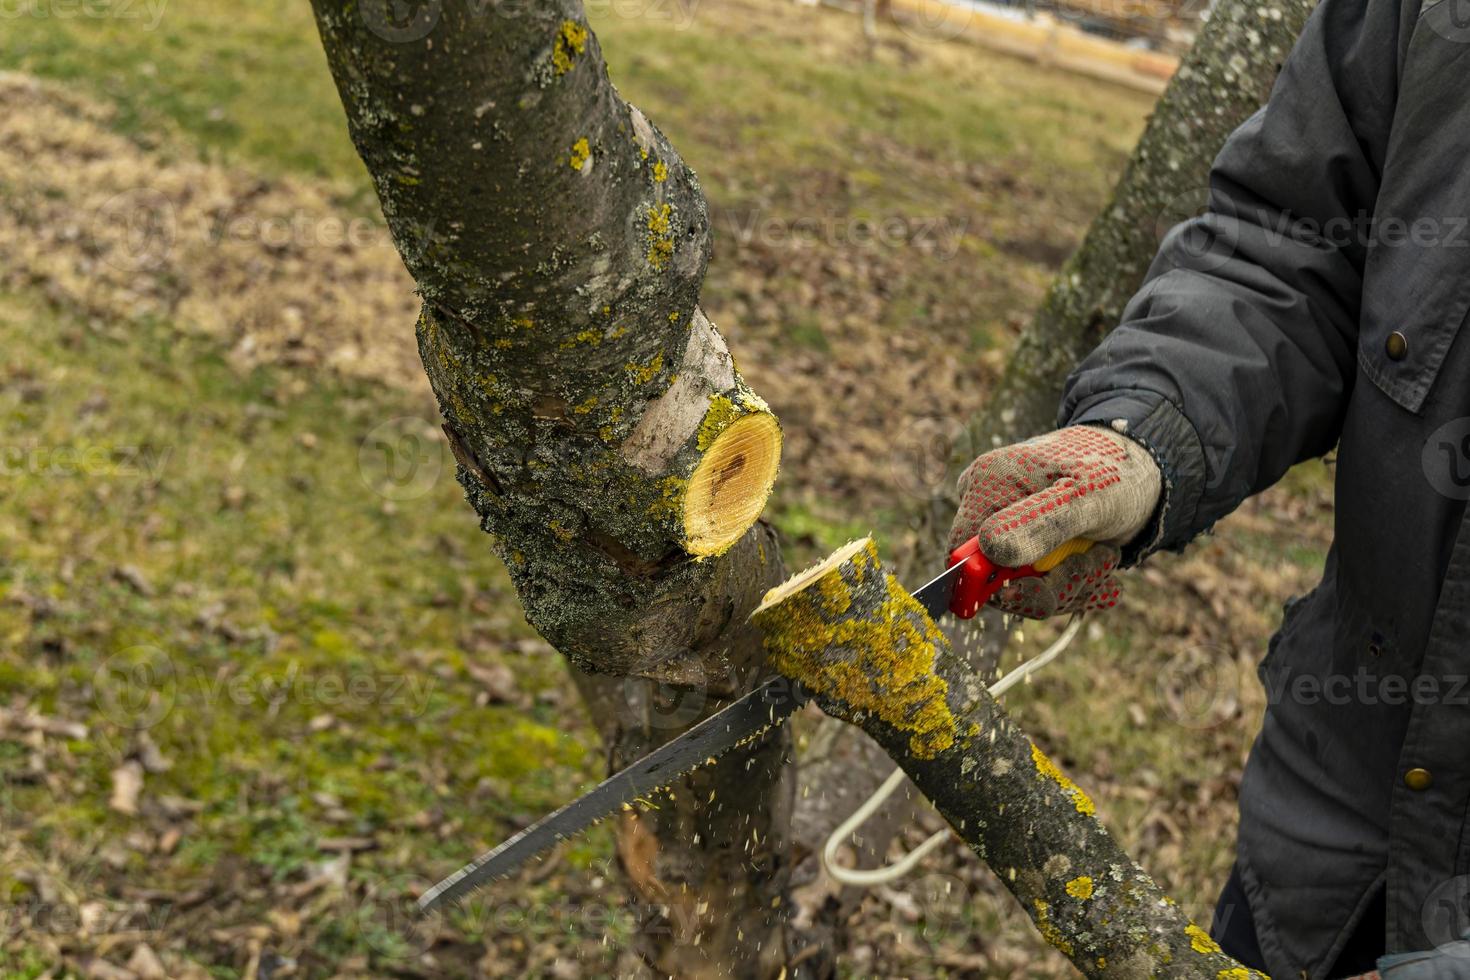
(316,649)
(265,573)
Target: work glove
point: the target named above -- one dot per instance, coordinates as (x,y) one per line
(1025,500)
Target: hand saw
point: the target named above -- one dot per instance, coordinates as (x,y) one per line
(962,588)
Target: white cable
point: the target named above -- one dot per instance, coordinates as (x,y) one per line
(1036,663)
(869,878)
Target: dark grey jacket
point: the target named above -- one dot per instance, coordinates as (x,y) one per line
(1319,302)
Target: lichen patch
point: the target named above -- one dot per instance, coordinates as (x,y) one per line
(1048,928)
(1200,941)
(571,41)
(1046,769)
(862,640)
(1080,888)
(581,153)
(660,236)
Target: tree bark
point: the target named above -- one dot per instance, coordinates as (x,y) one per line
(614,454)
(872,655)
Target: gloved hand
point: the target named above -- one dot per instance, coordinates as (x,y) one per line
(1024,500)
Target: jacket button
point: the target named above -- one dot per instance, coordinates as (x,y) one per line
(1418,779)
(1396,346)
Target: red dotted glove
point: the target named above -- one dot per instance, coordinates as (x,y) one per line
(1026,500)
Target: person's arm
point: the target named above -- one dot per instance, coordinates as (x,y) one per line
(1235,359)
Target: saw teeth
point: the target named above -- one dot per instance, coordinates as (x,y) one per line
(479,878)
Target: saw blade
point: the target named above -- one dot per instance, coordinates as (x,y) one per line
(741,721)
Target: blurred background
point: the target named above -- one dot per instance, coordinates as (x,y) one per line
(261,679)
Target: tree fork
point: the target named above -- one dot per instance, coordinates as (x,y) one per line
(849,631)
(613,452)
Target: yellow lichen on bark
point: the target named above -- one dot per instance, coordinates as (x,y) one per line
(660,236)
(1200,941)
(571,40)
(642,374)
(1047,769)
(581,153)
(1080,888)
(1048,928)
(850,632)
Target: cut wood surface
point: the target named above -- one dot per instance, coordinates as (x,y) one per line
(849,631)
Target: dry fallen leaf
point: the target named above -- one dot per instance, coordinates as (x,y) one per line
(127,786)
(146,964)
(498,680)
(103,970)
(151,756)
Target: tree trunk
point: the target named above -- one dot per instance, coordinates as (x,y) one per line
(874,657)
(615,456)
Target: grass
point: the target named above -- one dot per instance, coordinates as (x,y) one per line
(216,561)
(249,81)
(781,116)
(244,81)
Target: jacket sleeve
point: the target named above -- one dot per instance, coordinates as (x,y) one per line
(1235,359)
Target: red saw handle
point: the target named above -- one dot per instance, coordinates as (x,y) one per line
(981,578)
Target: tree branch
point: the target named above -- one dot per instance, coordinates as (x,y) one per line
(849,631)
